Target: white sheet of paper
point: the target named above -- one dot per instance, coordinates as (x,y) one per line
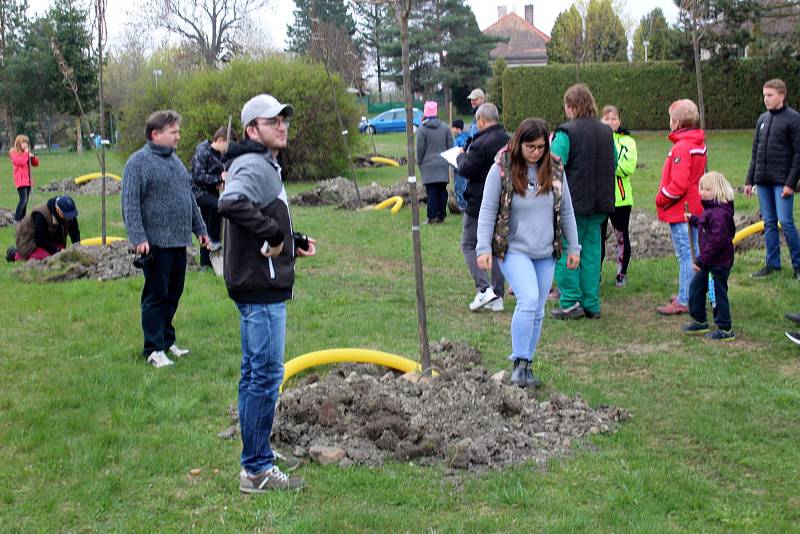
(451,155)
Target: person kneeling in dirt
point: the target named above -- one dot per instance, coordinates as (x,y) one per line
(260,250)
(44,231)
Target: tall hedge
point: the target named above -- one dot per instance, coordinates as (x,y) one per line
(206,98)
(643,92)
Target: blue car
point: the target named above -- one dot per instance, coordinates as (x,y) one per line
(393,120)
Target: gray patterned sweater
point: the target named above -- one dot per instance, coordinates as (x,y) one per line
(157,201)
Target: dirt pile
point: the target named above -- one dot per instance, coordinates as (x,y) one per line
(650,238)
(341,192)
(92,187)
(464,417)
(114,260)
(6,217)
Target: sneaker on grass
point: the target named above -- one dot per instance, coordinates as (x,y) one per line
(177,351)
(794,337)
(573,312)
(158,359)
(721,335)
(270,480)
(695,328)
(482,298)
(496,305)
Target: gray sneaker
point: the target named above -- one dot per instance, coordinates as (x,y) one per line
(573,312)
(270,480)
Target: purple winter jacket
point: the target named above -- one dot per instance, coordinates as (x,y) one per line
(715,228)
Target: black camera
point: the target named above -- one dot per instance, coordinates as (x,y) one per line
(141,260)
(300,241)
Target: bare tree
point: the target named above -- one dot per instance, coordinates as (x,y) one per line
(693,12)
(212,26)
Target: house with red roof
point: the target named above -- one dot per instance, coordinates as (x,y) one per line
(526,44)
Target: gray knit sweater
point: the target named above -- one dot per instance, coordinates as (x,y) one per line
(157,201)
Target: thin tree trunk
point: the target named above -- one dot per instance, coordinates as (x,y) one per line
(422,321)
(78,136)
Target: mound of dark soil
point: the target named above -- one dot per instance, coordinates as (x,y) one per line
(341,192)
(463,417)
(6,217)
(92,187)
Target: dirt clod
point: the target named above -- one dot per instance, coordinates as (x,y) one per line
(6,217)
(341,192)
(92,187)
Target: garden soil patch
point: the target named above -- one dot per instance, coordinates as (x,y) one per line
(109,262)
(341,192)
(92,187)
(6,217)
(464,417)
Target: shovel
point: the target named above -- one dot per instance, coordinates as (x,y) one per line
(689,229)
(216,256)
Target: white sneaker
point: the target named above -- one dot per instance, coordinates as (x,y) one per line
(482,298)
(177,351)
(158,359)
(496,305)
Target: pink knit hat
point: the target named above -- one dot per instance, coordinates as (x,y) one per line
(431,109)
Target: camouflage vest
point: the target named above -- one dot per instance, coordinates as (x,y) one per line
(501,225)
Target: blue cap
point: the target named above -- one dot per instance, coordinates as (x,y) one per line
(67,207)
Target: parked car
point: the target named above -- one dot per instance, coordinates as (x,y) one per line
(393,120)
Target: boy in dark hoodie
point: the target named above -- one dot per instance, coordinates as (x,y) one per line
(715,228)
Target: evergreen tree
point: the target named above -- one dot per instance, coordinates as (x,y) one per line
(333,12)
(12,33)
(373,20)
(567,43)
(661,39)
(605,34)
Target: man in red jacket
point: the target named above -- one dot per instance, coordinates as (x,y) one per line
(684,166)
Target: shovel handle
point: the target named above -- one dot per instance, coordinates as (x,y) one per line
(689,231)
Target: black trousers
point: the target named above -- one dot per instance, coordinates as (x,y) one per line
(697,297)
(437,200)
(164,276)
(22,206)
(620,220)
(208,210)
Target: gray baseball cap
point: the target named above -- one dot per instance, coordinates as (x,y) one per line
(264,107)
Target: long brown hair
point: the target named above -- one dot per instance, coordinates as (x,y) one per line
(531,129)
(579,97)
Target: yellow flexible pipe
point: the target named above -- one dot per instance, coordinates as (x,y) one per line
(385,161)
(324,357)
(95,241)
(94,175)
(755,228)
(396,200)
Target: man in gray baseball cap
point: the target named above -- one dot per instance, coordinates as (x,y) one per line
(260,251)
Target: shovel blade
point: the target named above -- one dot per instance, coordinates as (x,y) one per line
(217,261)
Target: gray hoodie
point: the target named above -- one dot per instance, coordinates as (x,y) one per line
(531,220)
(433,138)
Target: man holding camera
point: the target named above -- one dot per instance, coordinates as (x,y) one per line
(260,250)
(160,214)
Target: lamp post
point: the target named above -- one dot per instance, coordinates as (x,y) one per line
(646,44)
(158,72)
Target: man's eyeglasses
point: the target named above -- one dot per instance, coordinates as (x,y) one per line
(275,123)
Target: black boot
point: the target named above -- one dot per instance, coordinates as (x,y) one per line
(531,379)
(518,374)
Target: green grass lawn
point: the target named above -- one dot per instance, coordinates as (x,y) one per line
(94,440)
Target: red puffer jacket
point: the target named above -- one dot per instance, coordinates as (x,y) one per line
(680,178)
(22,174)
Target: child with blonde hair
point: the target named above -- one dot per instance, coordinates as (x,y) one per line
(22,159)
(715,228)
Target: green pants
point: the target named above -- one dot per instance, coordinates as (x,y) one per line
(582,284)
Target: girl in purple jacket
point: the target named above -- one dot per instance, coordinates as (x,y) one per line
(715,228)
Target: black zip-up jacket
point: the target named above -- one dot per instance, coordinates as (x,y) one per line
(257,210)
(206,170)
(474,165)
(775,159)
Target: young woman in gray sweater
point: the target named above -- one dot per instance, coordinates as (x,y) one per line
(525,233)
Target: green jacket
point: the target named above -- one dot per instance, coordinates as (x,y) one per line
(626,166)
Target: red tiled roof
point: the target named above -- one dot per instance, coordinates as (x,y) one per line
(526,40)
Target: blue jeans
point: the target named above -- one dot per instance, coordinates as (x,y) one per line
(460,187)
(263,332)
(774,209)
(680,242)
(531,280)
